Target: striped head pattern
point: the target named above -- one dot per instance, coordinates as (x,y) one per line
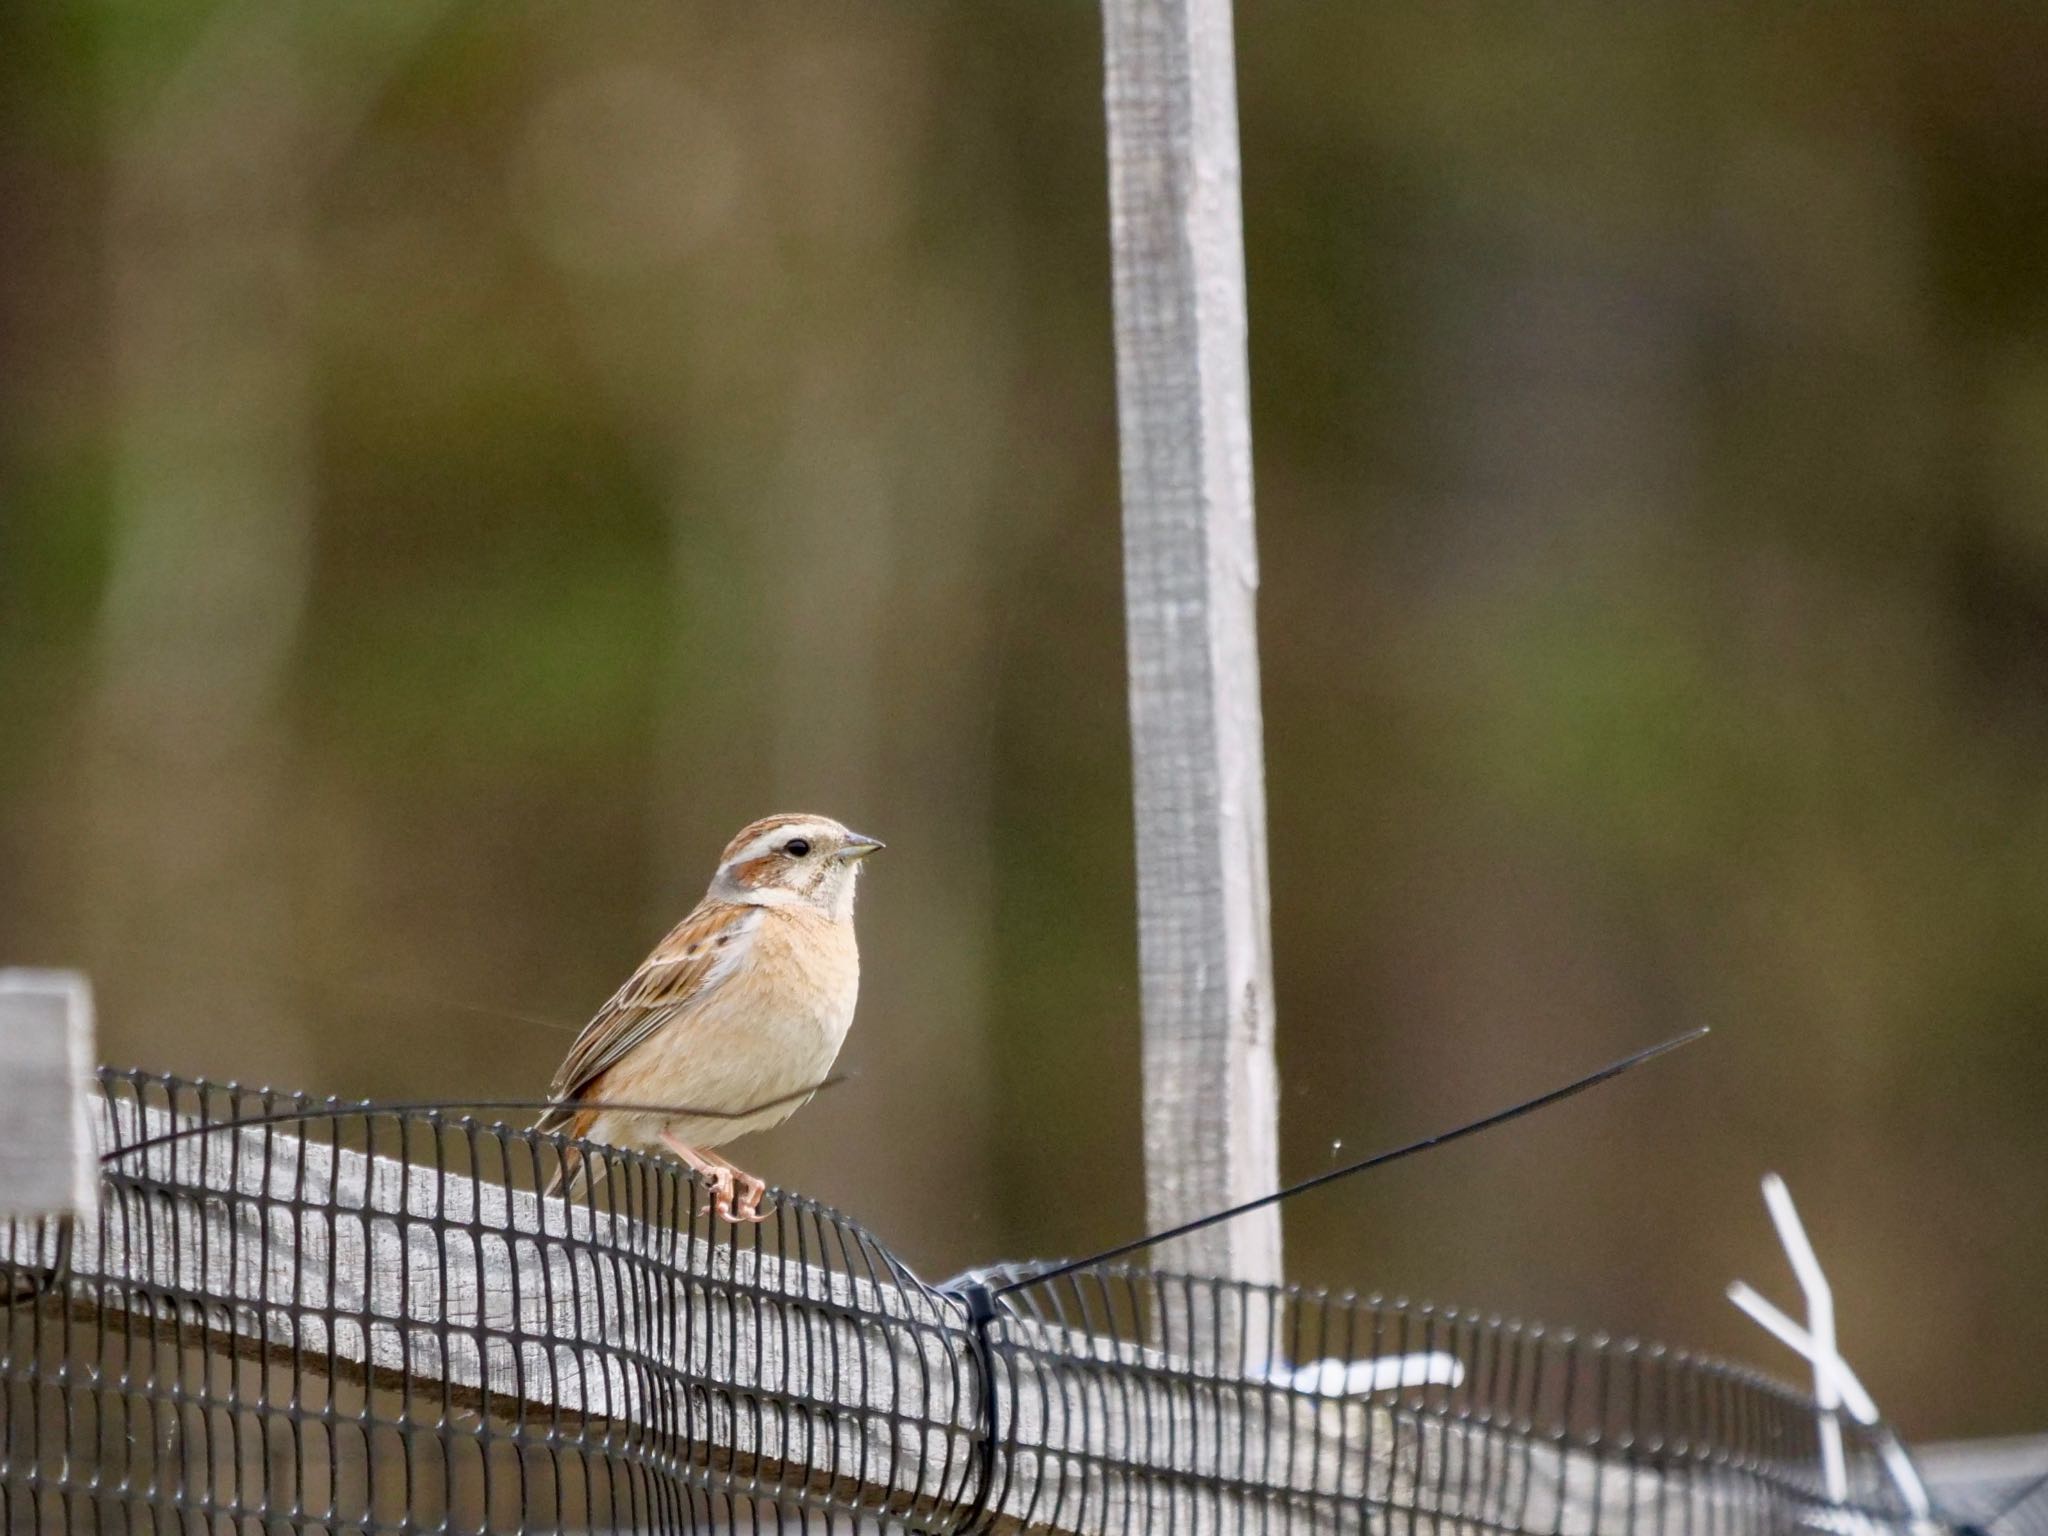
(793,859)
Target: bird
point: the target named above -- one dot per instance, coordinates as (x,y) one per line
(738,1010)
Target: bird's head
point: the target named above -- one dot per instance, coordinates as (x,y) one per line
(811,861)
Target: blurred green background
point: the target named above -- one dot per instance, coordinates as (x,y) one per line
(461,461)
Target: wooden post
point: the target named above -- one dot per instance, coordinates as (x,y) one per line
(48,1163)
(1190,576)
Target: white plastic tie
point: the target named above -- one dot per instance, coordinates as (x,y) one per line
(1835,1386)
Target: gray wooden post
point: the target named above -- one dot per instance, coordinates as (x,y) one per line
(48,1164)
(1190,575)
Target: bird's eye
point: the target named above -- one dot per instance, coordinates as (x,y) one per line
(796,847)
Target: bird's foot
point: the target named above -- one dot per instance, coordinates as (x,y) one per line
(735,1195)
(715,1172)
(751,1189)
(720,1183)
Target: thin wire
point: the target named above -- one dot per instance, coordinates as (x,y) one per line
(437,1106)
(1331,1176)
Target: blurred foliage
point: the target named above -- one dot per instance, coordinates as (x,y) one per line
(462,461)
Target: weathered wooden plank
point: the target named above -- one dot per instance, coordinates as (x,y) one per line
(47,1164)
(345,1262)
(813,1373)
(363,1267)
(1175,1447)
(1190,577)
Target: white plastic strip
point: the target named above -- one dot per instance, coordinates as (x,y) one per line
(1357,1378)
(1820,1315)
(1862,1407)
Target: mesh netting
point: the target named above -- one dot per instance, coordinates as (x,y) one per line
(372,1322)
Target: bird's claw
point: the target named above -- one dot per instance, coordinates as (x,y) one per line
(736,1196)
(750,1192)
(719,1182)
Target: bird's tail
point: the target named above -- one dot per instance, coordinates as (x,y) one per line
(578,1169)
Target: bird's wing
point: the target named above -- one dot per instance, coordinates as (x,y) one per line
(684,969)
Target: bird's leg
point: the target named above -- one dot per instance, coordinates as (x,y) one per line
(751,1189)
(717,1172)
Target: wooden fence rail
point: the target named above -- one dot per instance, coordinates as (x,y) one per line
(829,1375)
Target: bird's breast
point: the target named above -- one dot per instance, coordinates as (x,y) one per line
(804,974)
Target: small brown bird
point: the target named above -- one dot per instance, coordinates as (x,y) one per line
(745,1003)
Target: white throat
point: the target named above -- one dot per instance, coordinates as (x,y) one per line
(837,904)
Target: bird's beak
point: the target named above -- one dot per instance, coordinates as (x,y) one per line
(859,847)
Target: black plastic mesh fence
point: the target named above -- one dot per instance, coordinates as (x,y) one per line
(373,1323)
